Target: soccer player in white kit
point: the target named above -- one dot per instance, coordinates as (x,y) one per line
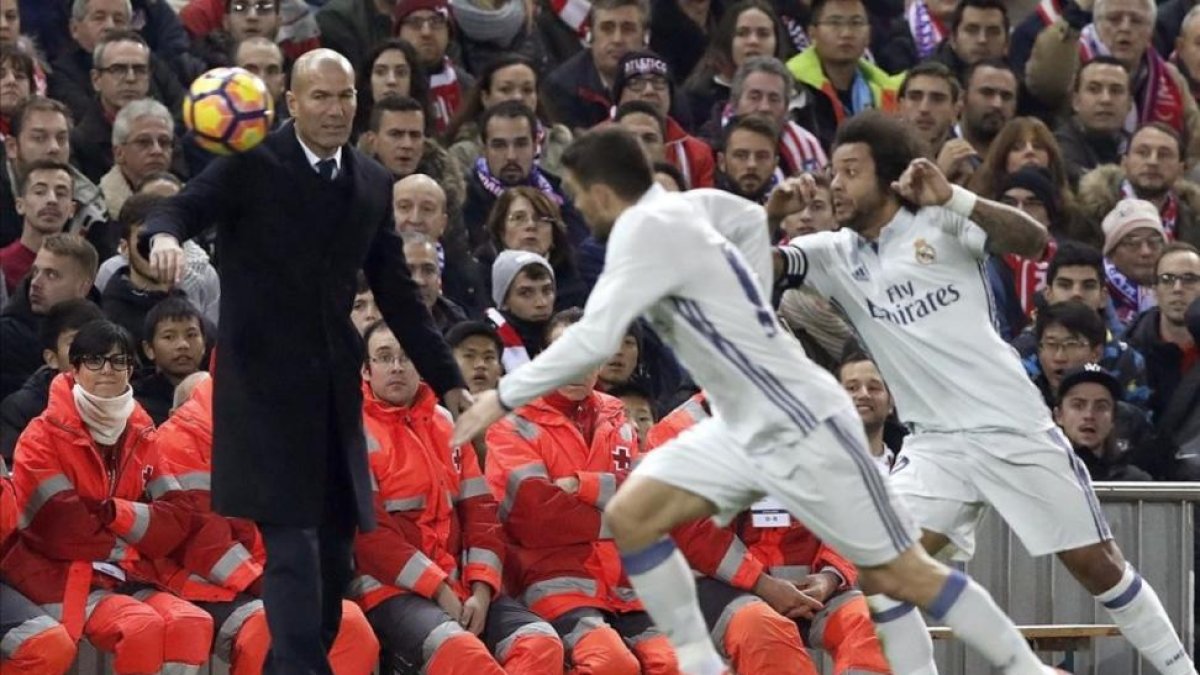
(782,426)
(907,270)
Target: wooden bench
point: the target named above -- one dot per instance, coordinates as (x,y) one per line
(1065,638)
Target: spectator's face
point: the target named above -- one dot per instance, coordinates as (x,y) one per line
(615,32)
(930,107)
(1085,414)
(10,22)
(527,230)
(640,412)
(424,270)
(177,347)
(816,216)
(419,206)
(322,102)
(980,35)
(753,35)
(1027,201)
(763,94)
(391,375)
(45,136)
(110,380)
(749,160)
(1135,255)
(512,83)
(479,361)
(55,278)
(1103,100)
(391,75)
(653,89)
(265,61)
(252,18)
(1178,284)
(400,141)
(147,150)
(124,76)
(620,367)
(1125,28)
(990,102)
(48,201)
(364,311)
(856,194)
(647,130)
(1061,350)
(582,388)
(1152,164)
(864,384)
(429,32)
(841,32)
(100,18)
(60,358)
(529,299)
(1026,152)
(1187,47)
(1078,282)
(509,149)
(14,87)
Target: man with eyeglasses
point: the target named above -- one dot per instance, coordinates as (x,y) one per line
(241,20)
(1122,29)
(837,81)
(1133,240)
(1151,169)
(76,77)
(1161,333)
(143,142)
(425,24)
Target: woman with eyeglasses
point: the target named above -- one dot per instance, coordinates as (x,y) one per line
(525,219)
(88,542)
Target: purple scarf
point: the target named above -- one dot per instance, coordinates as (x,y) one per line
(496,188)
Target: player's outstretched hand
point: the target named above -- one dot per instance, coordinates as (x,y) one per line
(167,259)
(475,420)
(923,184)
(785,598)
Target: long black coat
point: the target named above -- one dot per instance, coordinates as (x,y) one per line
(287,407)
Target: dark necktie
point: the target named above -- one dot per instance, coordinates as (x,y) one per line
(326,168)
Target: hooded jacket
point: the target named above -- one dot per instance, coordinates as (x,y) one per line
(1100,190)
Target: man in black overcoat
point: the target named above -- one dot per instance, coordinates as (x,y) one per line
(297,217)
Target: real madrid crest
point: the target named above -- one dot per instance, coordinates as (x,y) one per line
(925,253)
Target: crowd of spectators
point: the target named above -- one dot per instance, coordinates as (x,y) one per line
(1082,113)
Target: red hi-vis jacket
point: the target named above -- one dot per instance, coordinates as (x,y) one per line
(227,552)
(562,557)
(75,509)
(8,509)
(789,553)
(440,522)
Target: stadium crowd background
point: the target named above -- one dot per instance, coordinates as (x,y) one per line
(1083,115)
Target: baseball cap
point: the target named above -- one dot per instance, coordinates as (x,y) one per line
(465,329)
(1089,372)
(1129,215)
(506,267)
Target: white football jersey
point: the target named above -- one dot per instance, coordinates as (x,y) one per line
(919,300)
(667,261)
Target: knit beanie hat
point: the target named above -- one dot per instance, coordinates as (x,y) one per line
(499,26)
(1036,180)
(406,7)
(507,265)
(1129,215)
(638,63)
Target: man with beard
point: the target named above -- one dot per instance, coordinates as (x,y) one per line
(509,134)
(174,344)
(45,205)
(989,103)
(930,103)
(1152,169)
(1094,133)
(143,142)
(747,163)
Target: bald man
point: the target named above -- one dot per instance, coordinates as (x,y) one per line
(419,205)
(301,214)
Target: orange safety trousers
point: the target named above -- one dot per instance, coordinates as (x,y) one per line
(46,648)
(602,651)
(147,630)
(355,651)
(760,641)
(466,654)
(844,630)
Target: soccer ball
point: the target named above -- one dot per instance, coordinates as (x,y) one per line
(229,110)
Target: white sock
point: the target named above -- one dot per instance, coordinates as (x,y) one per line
(1136,610)
(970,612)
(667,589)
(904,637)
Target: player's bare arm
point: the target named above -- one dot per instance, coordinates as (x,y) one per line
(1009,230)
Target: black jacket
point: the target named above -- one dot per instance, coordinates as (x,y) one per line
(1164,361)
(575,95)
(128,306)
(20,349)
(91,143)
(155,393)
(1083,152)
(287,404)
(21,406)
(71,83)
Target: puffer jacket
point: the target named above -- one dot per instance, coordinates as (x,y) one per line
(1100,190)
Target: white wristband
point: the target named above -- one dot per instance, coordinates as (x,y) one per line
(962,201)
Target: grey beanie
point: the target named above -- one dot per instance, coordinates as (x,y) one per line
(498,26)
(506,267)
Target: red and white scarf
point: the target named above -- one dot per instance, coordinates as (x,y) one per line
(799,150)
(1169,213)
(446,92)
(515,355)
(1161,99)
(927,30)
(574,13)
(1049,11)
(1029,276)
